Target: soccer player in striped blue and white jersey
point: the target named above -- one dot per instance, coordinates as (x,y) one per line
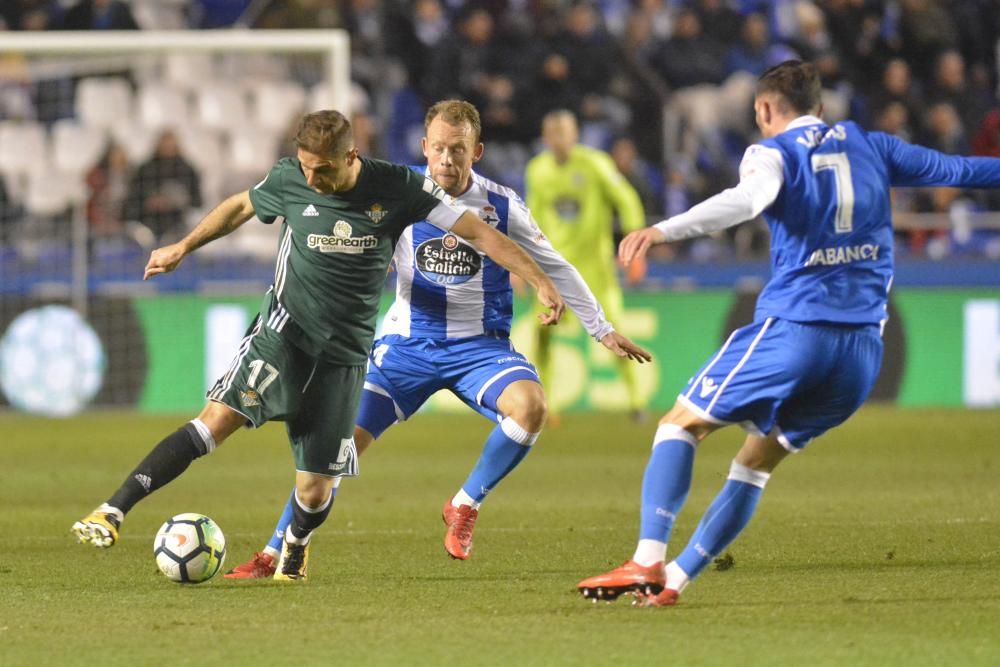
(812,354)
(449,329)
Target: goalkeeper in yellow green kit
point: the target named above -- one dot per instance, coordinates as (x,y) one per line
(573,192)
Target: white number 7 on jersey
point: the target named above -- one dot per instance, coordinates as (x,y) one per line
(272,374)
(844,221)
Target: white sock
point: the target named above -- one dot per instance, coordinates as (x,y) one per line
(272,552)
(677,579)
(649,552)
(463,498)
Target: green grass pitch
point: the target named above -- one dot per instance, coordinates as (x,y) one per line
(880,545)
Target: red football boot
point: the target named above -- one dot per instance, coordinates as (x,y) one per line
(460,521)
(261,566)
(629,578)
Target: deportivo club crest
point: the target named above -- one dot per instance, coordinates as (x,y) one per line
(342,230)
(489,215)
(376,213)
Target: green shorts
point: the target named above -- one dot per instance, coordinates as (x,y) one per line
(273,380)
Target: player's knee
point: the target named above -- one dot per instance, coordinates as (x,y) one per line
(683,418)
(313,490)
(221,421)
(526,406)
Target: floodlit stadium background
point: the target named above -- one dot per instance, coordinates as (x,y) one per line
(114,142)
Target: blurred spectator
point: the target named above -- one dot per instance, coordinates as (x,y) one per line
(950,84)
(642,176)
(99,15)
(208,14)
(894,118)
(587,48)
(657,15)
(926,29)
(26,14)
(987,139)
(414,31)
(164,190)
(753,53)
(897,87)
(944,130)
(689,57)
(301,14)
(108,182)
(721,22)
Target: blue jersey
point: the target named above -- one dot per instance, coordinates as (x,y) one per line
(831,224)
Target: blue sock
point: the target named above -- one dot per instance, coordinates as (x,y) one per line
(725,518)
(666,483)
(505,447)
(278,536)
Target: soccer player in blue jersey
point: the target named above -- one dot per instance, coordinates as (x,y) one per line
(449,326)
(810,357)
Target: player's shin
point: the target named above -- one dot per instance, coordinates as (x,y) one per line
(724,520)
(307,519)
(506,446)
(164,463)
(665,487)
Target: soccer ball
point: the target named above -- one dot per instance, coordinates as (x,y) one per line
(189,548)
(51,362)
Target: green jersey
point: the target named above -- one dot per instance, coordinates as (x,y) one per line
(334,251)
(573,202)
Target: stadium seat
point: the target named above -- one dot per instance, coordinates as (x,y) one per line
(321,97)
(251,151)
(76,147)
(189,71)
(21,145)
(203,148)
(161,106)
(276,105)
(103,101)
(50,192)
(221,106)
(136,139)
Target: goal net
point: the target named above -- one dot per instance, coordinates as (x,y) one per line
(112,144)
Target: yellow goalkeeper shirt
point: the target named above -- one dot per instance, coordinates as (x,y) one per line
(574,205)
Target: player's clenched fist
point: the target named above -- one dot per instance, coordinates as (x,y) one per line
(164,260)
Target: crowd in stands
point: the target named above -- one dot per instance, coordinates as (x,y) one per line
(664,85)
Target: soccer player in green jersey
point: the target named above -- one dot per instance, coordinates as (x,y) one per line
(303,358)
(573,191)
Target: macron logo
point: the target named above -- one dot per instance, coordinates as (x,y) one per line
(310,212)
(708,387)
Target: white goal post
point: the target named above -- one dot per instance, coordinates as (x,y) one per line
(333,45)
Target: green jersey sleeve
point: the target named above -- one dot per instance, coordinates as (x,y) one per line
(430,202)
(267,196)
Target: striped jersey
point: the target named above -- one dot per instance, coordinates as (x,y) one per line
(446,288)
(334,251)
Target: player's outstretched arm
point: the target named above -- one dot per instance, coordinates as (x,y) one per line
(512,257)
(634,246)
(625,348)
(223,219)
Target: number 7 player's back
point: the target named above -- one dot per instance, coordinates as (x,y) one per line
(831,223)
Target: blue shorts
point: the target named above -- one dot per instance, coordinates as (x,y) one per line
(801,379)
(407,371)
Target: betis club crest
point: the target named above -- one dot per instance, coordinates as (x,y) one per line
(376,213)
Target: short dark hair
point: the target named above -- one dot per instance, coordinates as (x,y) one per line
(455,112)
(326,133)
(796,83)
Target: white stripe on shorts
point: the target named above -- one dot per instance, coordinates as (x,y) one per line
(743,361)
